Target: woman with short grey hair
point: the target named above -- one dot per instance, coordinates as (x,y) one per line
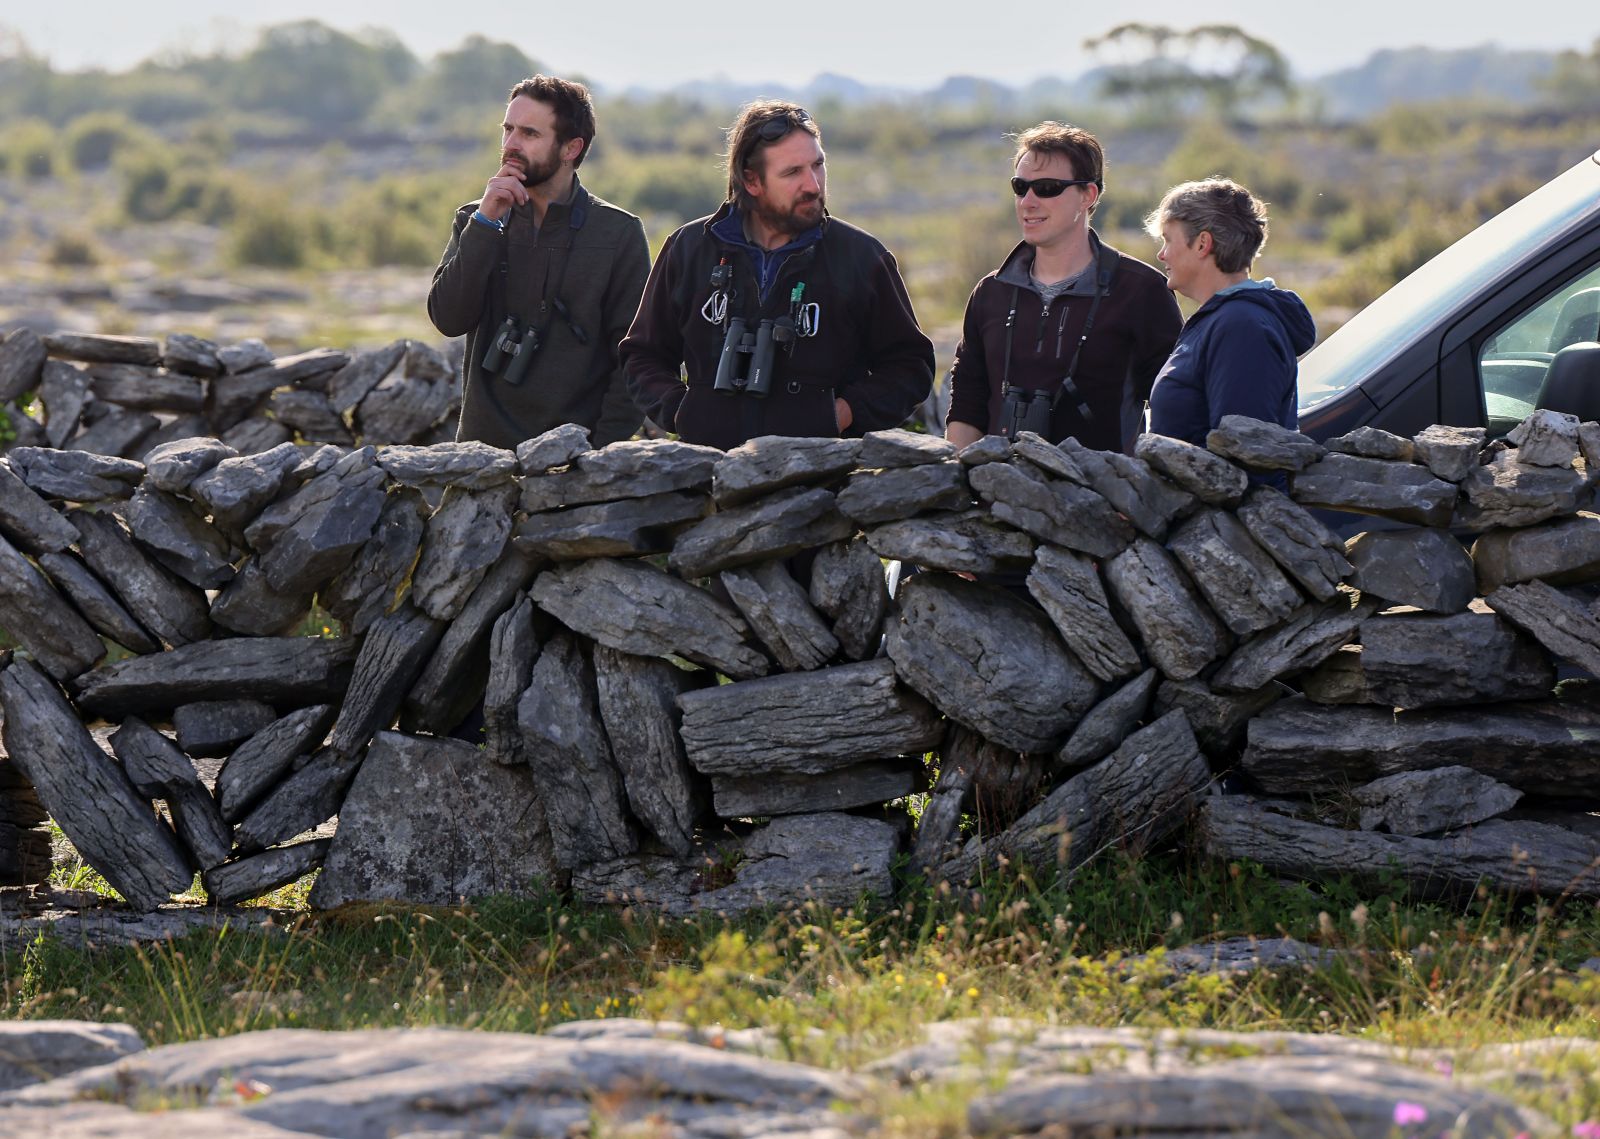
(1237,355)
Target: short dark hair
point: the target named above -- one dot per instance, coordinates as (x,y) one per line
(1081,149)
(745,142)
(572,104)
(1235,218)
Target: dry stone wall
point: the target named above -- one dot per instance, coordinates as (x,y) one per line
(664,673)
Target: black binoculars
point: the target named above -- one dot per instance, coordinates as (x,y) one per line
(1025,409)
(747,357)
(511,350)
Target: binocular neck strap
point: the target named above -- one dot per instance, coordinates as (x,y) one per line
(1106,270)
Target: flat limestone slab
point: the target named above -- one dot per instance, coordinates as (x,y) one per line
(275,670)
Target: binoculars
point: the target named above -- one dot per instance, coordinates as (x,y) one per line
(511,350)
(747,357)
(1025,409)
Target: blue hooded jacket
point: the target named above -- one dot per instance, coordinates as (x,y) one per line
(1235,356)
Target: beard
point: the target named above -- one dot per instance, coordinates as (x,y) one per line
(536,173)
(793,219)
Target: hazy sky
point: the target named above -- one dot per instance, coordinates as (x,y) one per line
(660,42)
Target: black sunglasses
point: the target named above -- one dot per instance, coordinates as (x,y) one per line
(1047,187)
(774,129)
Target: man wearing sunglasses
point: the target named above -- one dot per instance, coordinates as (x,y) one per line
(1066,337)
(542,278)
(783,319)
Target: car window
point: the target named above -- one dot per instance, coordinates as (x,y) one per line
(1513,362)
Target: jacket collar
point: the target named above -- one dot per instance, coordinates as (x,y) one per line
(727,225)
(1014,269)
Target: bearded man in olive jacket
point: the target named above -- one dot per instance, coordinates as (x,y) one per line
(543,279)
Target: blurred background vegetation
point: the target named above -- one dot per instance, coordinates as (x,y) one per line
(321,169)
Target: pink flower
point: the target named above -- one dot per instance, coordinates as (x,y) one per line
(1445,1068)
(1588,1129)
(1405,1114)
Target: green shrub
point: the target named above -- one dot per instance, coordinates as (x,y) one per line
(31,146)
(94,140)
(72,251)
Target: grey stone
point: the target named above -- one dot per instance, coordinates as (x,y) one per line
(1068,588)
(244,356)
(988,449)
(36,1051)
(630,469)
(1053,511)
(1262,446)
(310,415)
(452,682)
(28,520)
(1567,627)
(1506,492)
(1210,478)
(780,613)
(1426,568)
(1146,499)
(258,874)
(257,764)
(190,355)
(775,462)
(22,357)
(371,585)
(63,391)
(169,607)
(277,670)
(465,536)
(87,792)
(761,796)
(513,647)
(628,528)
(848,587)
(831,859)
(42,621)
(897,493)
(1546,439)
(776,526)
(97,348)
(173,466)
(180,538)
(115,432)
(257,436)
(1219,719)
(988,660)
(97,604)
(1405,492)
(636,608)
(969,542)
(1450,452)
(237,398)
(402,408)
(1109,722)
(212,728)
(1047,457)
(306,799)
(330,521)
(1545,748)
(158,770)
(566,749)
(557,447)
(237,489)
(1307,639)
(1180,634)
(249,605)
(1340,679)
(75,476)
(1374,443)
(901,448)
(1240,956)
(351,384)
(145,388)
(392,656)
(1236,576)
(312,370)
(172,431)
(469,465)
(433,821)
(638,700)
(1415,661)
(1428,802)
(805,722)
(1560,553)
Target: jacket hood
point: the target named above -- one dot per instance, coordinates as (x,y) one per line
(1287,306)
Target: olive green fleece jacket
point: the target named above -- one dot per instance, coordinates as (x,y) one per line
(594,258)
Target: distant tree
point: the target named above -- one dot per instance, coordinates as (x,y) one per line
(476,76)
(1574,84)
(318,74)
(1168,69)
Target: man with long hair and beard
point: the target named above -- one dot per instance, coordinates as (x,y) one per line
(542,278)
(785,320)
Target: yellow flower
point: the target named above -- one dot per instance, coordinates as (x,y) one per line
(942,979)
(973,993)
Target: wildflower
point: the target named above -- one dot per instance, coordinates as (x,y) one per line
(973,992)
(248,1090)
(1445,1068)
(1588,1129)
(942,980)
(1407,1113)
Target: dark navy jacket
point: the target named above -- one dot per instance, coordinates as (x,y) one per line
(1235,356)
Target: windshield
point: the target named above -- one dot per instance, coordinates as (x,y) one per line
(1447,283)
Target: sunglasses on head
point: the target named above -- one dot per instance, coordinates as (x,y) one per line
(774,129)
(1046,187)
